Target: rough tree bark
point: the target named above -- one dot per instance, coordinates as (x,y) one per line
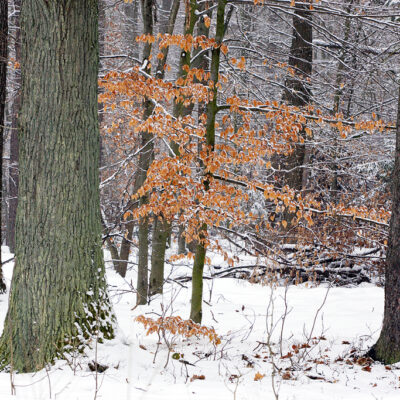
(58,294)
(387,348)
(3,81)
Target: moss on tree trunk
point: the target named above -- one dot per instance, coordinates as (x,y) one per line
(212,109)
(58,292)
(196,309)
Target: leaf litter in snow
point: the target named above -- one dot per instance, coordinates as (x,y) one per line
(276,342)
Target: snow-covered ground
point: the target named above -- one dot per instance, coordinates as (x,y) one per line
(321,342)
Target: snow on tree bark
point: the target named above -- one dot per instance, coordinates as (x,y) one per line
(58,294)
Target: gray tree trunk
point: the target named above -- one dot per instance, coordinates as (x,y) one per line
(387,348)
(297,89)
(144,163)
(160,237)
(58,293)
(145,159)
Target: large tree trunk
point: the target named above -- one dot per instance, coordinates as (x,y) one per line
(3,81)
(387,348)
(58,292)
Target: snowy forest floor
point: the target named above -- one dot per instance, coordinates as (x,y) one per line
(316,354)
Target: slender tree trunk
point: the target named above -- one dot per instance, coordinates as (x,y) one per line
(167,27)
(111,246)
(201,61)
(58,295)
(337,101)
(162,228)
(201,249)
(180,110)
(3,90)
(145,159)
(196,309)
(160,237)
(130,29)
(387,348)
(297,89)
(297,93)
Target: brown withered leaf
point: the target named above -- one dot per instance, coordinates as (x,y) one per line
(197,377)
(258,376)
(287,376)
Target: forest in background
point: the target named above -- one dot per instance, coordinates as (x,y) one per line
(267,125)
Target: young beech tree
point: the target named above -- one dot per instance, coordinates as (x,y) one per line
(211,112)
(162,227)
(207,184)
(58,293)
(387,348)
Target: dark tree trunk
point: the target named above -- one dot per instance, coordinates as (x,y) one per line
(196,312)
(160,237)
(297,89)
(297,93)
(58,294)
(162,228)
(180,110)
(387,348)
(3,82)
(145,159)
(130,29)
